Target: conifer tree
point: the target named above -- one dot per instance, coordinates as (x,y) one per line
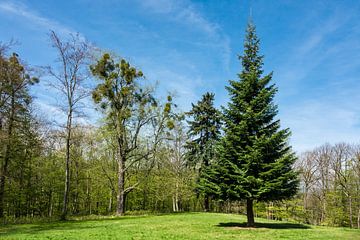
(204,132)
(255,159)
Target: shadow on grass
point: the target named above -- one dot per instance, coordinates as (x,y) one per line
(265,225)
(126,217)
(71,224)
(37,228)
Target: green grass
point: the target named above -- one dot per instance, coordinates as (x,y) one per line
(174,226)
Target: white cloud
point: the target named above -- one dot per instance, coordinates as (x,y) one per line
(181,85)
(21,10)
(310,51)
(185,12)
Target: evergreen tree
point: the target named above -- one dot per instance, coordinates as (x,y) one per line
(255,158)
(204,132)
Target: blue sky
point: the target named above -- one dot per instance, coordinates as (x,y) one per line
(191,47)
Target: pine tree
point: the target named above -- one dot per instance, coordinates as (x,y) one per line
(204,132)
(255,158)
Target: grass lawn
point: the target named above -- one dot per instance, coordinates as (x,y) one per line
(175,226)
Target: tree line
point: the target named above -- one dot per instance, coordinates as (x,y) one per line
(145,155)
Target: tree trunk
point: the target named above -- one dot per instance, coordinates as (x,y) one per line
(88,194)
(176,198)
(50,204)
(350,212)
(110,201)
(67,167)
(250,213)
(207,203)
(120,210)
(76,188)
(173,203)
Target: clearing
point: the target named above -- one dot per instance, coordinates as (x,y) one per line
(175,226)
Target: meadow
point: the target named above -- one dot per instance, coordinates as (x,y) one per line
(175,226)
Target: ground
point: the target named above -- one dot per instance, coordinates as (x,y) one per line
(175,226)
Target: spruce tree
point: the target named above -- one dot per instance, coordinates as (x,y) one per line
(204,132)
(255,159)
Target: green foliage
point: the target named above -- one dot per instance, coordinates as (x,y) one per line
(255,159)
(19,139)
(164,165)
(119,90)
(203,134)
(204,131)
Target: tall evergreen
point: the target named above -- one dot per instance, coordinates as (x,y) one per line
(255,158)
(204,132)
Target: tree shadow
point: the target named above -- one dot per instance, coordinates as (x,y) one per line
(277,225)
(37,228)
(71,224)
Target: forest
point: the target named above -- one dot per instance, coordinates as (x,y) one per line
(146,156)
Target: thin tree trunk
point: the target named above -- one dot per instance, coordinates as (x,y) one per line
(350,211)
(120,210)
(177,197)
(110,201)
(323,210)
(250,213)
(174,203)
(144,202)
(50,204)
(67,167)
(206,203)
(76,188)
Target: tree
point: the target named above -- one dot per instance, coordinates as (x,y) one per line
(307,169)
(132,114)
(72,57)
(15,102)
(204,132)
(255,159)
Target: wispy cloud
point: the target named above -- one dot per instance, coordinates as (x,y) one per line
(46,105)
(181,11)
(23,11)
(183,85)
(316,78)
(310,51)
(185,13)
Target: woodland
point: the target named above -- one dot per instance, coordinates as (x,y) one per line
(146,156)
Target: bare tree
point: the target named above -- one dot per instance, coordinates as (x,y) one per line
(69,81)
(341,162)
(307,168)
(322,159)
